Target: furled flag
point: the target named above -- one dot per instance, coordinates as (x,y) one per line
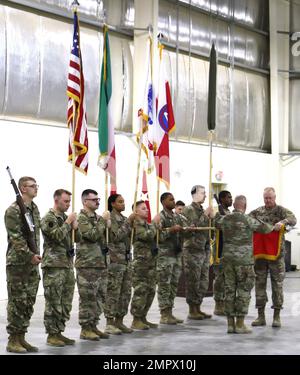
(148,112)
(165,125)
(145,195)
(107,158)
(76,115)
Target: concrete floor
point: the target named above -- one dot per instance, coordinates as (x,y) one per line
(207,337)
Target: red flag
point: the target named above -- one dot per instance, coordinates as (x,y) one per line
(164,126)
(267,246)
(76,113)
(145,196)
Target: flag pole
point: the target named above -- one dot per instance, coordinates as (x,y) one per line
(73,170)
(210,192)
(106,206)
(74,6)
(211,123)
(157,209)
(142,119)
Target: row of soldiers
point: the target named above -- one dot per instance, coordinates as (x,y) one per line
(105,272)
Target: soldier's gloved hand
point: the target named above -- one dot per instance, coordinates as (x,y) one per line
(106,215)
(278,226)
(36,259)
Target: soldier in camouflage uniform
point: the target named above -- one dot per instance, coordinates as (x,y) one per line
(57,266)
(277,216)
(22,272)
(196,253)
(91,269)
(169,258)
(144,267)
(119,269)
(225,201)
(237,261)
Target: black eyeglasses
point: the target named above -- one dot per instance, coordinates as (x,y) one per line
(93,199)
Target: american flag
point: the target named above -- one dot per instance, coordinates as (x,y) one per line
(77,121)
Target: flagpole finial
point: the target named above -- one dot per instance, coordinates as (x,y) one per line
(74,5)
(160,36)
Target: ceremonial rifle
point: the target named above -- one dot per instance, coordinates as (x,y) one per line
(26,218)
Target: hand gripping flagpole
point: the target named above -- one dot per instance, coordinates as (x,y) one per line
(143,118)
(211,123)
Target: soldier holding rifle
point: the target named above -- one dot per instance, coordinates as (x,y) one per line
(22,222)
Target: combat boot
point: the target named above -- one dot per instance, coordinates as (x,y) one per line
(137,323)
(166,317)
(193,313)
(261,319)
(13,345)
(111,328)
(276,319)
(240,326)
(230,324)
(219,308)
(205,316)
(88,334)
(29,348)
(119,324)
(65,339)
(149,324)
(174,317)
(102,335)
(54,340)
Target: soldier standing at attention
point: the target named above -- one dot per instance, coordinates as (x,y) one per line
(119,270)
(196,253)
(144,267)
(225,201)
(57,266)
(91,269)
(22,273)
(277,216)
(169,258)
(237,261)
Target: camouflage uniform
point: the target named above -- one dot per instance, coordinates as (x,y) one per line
(237,259)
(22,276)
(276,267)
(196,254)
(219,280)
(169,262)
(144,268)
(119,269)
(58,271)
(91,271)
